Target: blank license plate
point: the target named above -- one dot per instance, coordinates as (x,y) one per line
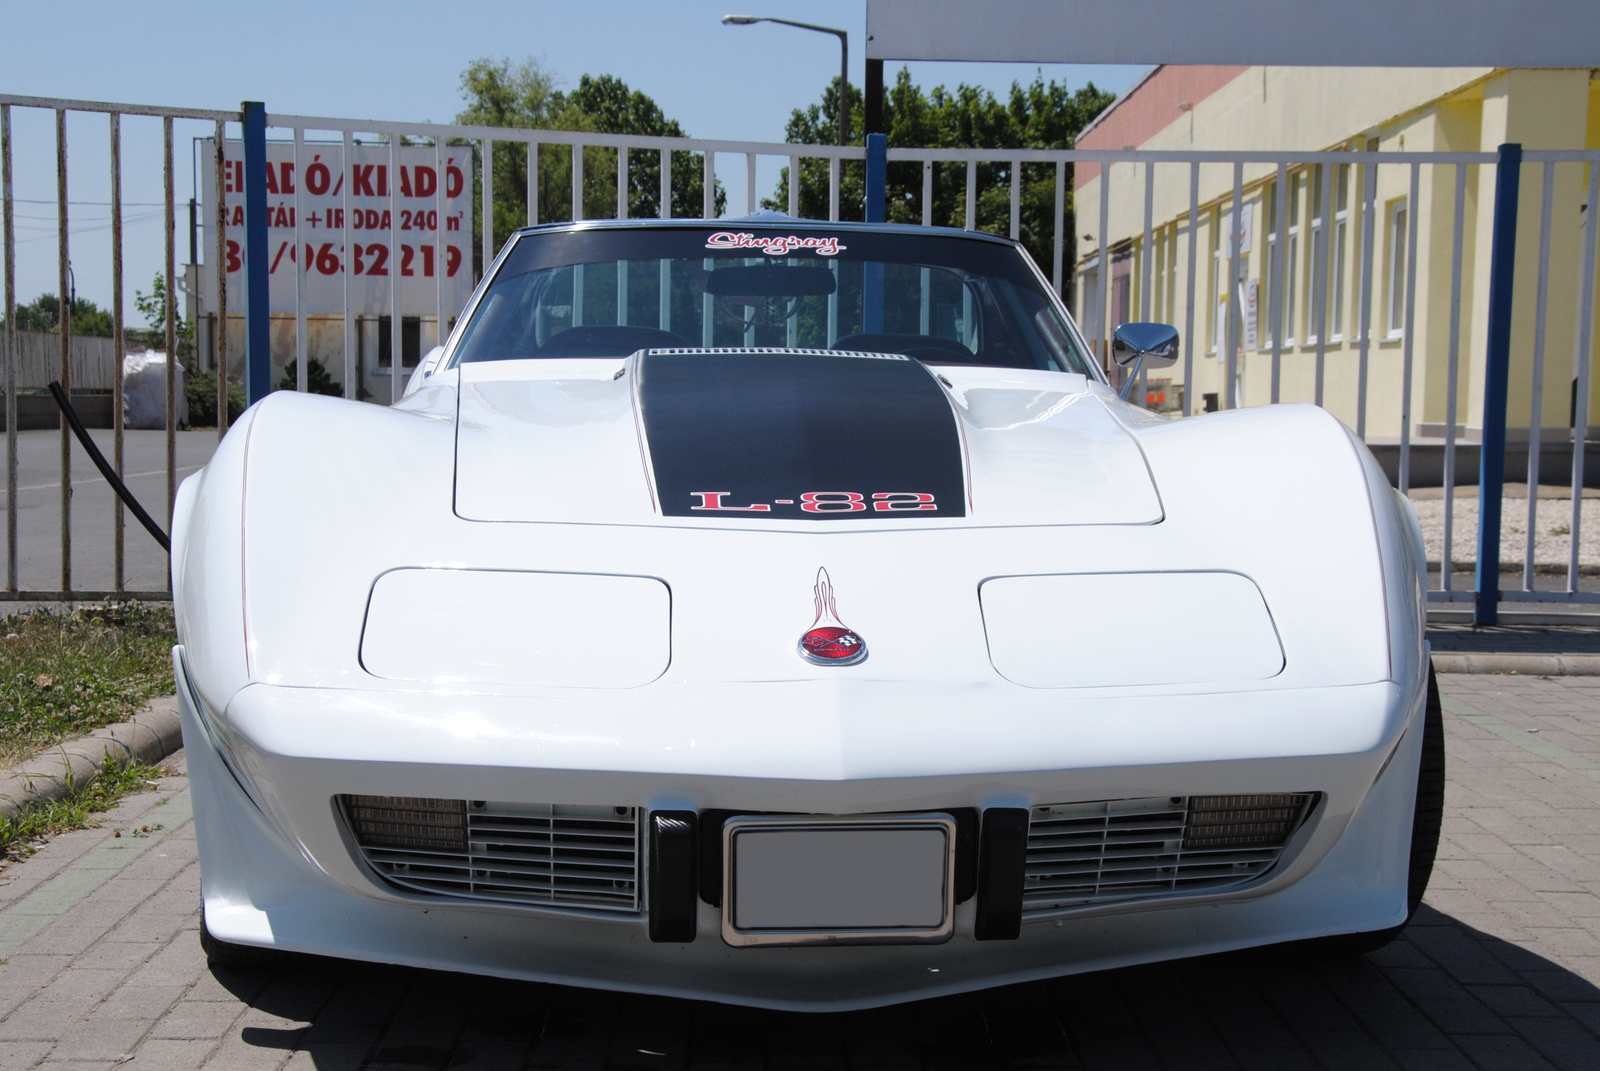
(793,882)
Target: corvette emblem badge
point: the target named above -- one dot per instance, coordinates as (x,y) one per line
(828,642)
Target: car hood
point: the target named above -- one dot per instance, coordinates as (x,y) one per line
(795,440)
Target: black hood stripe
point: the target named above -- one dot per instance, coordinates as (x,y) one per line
(799,435)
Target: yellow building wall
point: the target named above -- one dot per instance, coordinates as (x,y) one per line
(1540,110)
(1592,141)
(1456,110)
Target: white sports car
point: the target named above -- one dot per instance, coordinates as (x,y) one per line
(789,613)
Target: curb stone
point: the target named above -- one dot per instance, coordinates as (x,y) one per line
(149,736)
(1522,663)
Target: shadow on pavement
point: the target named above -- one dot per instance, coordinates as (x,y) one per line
(1516,639)
(1443,995)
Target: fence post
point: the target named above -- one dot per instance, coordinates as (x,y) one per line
(1497,367)
(877,176)
(257,329)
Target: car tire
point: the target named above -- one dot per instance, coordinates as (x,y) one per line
(227,954)
(1426,820)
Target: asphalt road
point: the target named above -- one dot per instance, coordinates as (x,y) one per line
(100,964)
(93,544)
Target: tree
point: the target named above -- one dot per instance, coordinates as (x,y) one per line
(200,388)
(523,95)
(1040,115)
(318,381)
(153,307)
(43,313)
(611,108)
(501,94)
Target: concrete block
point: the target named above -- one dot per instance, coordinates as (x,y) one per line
(101,1038)
(1511,1053)
(169,1054)
(18,1055)
(200,1019)
(37,1020)
(138,999)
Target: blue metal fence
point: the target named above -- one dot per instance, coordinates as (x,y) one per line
(258,336)
(1496,393)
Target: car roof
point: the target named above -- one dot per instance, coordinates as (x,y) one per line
(767,221)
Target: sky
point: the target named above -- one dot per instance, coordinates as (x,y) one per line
(399,60)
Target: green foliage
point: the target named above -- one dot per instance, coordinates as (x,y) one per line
(500,93)
(524,95)
(201,390)
(153,307)
(818,124)
(19,833)
(1040,115)
(611,108)
(318,381)
(43,313)
(64,674)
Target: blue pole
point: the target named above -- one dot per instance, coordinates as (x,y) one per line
(877,176)
(1497,373)
(257,332)
(876,199)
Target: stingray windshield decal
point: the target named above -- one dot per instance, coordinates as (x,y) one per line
(799,436)
(775,245)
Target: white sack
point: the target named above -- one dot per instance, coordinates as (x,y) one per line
(144,391)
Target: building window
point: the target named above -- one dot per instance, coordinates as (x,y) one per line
(1172,271)
(1319,253)
(1292,249)
(1398,257)
(1122,286)
(1274,263)
(1341,221)
(410,341)
(1091,304)
(1218,315)
(1159,277)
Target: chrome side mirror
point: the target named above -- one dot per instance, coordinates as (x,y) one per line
(1134,345)
(1156,344)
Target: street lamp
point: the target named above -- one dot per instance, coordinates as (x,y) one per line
(844,61)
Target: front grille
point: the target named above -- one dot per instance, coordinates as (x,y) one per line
(557,855)
(1082,853)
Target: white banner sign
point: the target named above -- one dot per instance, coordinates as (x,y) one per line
(1246,233)
(332,196)
(1251,314)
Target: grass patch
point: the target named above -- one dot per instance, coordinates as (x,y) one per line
(21,834)
(63,674)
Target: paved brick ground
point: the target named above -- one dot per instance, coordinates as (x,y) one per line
(1499,970)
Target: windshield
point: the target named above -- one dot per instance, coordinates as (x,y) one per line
(609,292)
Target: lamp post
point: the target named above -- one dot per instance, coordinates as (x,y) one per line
(844,61)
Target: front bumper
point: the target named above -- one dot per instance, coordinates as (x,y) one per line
(280,867)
